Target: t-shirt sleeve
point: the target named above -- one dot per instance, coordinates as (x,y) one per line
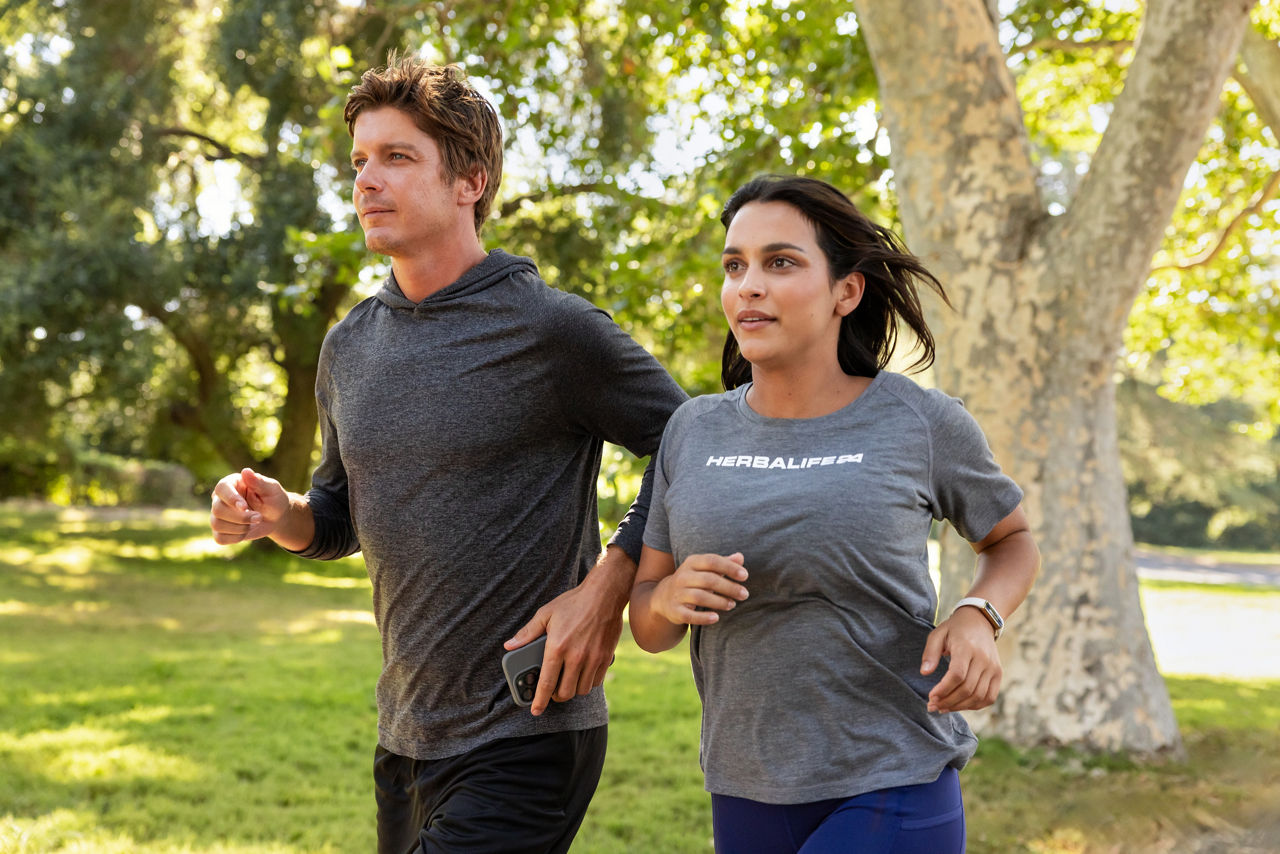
(969,488)
(657,531)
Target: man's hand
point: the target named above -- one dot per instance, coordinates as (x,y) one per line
(973,677)
(582,626)
(247,506)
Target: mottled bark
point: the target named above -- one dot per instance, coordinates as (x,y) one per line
(1042,303)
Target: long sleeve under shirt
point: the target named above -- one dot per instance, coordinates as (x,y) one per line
(462,438)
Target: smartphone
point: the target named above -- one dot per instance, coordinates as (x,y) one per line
(522,667)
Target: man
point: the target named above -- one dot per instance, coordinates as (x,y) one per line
(462,411)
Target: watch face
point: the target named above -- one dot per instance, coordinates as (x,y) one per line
(993,615)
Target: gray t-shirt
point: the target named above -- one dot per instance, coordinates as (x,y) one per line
(811,688)
(462,438)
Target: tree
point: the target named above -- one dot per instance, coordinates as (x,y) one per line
(127,305)
(1042,306)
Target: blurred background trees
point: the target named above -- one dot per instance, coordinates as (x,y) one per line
(176,234)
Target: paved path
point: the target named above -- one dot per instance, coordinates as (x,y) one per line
(1201,632)
(1203,570)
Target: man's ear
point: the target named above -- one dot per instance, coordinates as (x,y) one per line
(471,187)
(849,292)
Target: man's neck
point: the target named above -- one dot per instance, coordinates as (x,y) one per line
(422,274)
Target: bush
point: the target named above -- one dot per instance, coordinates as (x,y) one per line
(33,470)
(108,480)
(30,469)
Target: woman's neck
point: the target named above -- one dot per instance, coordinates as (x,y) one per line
(802,394)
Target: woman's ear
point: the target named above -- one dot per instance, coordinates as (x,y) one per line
(849,292)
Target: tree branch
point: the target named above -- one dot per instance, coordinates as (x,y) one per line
(993,12)
(221,151)
(1070,46)
(1268,193)
(1171,93)
(511,206)
(1260,76)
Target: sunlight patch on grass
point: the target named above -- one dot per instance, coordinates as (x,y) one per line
(84,753)
(72,559)
(192,548)
(19,556)
(102,614)
(54,831)
(8,656)
(310,579)
(1064,840)
(137,518)
(323,625)
(84,697)
(127,762)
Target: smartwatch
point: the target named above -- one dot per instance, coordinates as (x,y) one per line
(988,610)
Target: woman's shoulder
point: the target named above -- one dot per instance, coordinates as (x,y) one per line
(929,404)
(703,405)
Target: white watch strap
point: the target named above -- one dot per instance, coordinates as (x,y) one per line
(988,610)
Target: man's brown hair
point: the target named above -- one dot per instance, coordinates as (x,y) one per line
(444,106)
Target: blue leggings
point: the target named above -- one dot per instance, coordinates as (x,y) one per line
(924,819)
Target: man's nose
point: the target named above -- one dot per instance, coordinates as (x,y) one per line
(368,179)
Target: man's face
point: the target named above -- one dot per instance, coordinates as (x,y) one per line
(405,204)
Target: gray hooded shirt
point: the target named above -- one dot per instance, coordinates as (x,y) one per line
(462,439)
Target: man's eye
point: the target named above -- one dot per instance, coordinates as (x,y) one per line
(357,164)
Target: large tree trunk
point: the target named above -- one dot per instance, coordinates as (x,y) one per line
(1041,307)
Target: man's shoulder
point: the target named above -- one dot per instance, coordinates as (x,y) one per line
(349,322)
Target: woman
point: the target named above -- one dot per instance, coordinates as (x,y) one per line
(789,528)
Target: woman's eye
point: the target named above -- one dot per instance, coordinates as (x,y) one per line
(780,262)
(731,266)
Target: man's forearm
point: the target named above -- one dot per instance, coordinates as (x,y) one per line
(615,572)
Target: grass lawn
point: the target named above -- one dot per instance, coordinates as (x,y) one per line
(159,697)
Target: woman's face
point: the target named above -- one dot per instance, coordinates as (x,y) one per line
(778,295)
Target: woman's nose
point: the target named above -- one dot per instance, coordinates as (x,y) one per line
(751,285)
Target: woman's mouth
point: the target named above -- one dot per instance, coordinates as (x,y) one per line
(753,319)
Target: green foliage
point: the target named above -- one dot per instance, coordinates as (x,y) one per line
(1194,478)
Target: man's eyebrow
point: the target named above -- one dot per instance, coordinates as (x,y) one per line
(771,247)
(391,146)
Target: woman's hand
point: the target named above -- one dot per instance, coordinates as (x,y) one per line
(973,678)
(700,588)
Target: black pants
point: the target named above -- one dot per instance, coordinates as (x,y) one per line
(510,796)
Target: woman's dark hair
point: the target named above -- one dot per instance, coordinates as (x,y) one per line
(852,244)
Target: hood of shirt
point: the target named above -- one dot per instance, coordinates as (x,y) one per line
(496,266)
